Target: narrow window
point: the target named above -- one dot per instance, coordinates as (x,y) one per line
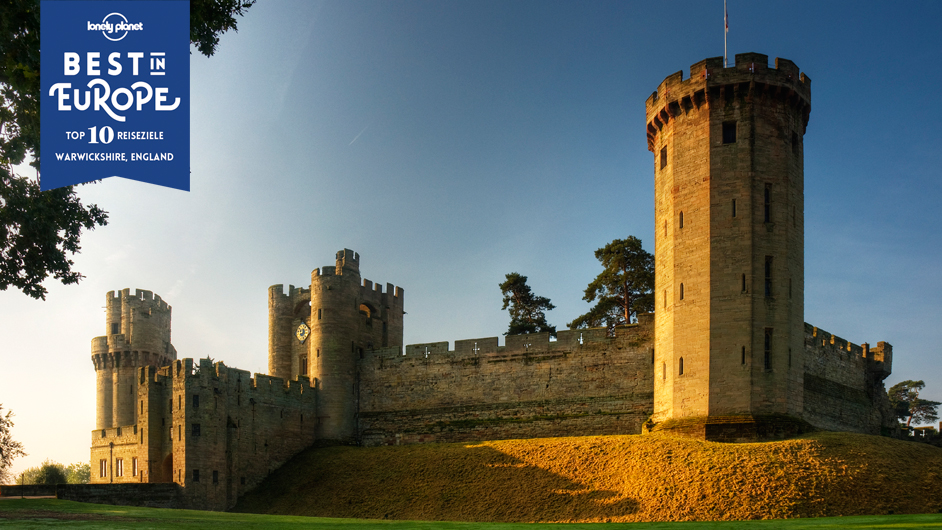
(734,207)
(663,376)
(768,348)
(179,432)
(681,291)
(768,276)
(196,401)
(317,352)
(663,157)
(196,475)
(681,372)
(743,361)
(795,143)
(179,402)
(302,361)
(729,132)
(196,429)
(142,435)
(768,203)
(215,477)
(681,220)
(134,467)
(103,468)
(789,357)
(142,406)
(665,227)
(119,467)
(744,282)
(115,328)
(318,314)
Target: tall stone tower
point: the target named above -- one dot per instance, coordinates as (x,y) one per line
(729,258)
(323,332)
(137,331)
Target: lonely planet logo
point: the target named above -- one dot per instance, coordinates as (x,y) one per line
(115,26)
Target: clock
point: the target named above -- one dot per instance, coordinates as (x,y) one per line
(302,332)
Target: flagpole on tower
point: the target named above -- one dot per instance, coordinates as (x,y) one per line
(725,31)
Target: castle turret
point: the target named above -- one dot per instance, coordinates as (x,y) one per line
(729,242)
(323,333)
(137,331)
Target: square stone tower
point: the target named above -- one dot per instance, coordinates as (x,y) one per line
(729,258)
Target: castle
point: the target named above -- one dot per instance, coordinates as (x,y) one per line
(726,355)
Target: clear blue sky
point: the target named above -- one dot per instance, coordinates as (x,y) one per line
(450,143)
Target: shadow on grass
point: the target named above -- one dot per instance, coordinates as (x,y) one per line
(448,483)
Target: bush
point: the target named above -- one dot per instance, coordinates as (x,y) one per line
(55,473)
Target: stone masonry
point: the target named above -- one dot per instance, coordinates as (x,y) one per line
(725,356)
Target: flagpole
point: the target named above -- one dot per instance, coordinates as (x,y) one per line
(725,31)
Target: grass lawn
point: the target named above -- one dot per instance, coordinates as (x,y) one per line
(49,513)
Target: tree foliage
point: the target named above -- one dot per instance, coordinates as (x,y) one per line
(527,311)
(79,473)
(211,18)
(623,289)
(55,473)
(9,448)
(40,230)
(904,396)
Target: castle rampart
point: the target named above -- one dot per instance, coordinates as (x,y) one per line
(216,431)
(843,384)
(586,382)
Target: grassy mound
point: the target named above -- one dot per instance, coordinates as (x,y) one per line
(609,478)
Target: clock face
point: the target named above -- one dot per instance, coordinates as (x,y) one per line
(302,332)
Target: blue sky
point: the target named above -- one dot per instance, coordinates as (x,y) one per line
(450,143)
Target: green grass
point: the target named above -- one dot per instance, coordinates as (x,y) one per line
(52,513)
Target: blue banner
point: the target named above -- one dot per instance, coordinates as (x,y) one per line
(115,92)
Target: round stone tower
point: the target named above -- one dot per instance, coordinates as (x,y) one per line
(137,331)
(729,247)
(323,333)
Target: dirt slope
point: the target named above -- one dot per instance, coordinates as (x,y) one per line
(609,478)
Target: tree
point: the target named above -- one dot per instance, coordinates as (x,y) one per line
(78,473)
(623,289)
(48,473)
(9,448)
(904,396)
(527,311)
(40,230)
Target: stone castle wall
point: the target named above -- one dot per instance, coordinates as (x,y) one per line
(583,383)
(533,387)
(843,384)
(216,431)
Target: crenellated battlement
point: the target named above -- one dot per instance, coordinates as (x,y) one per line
(827,347)
(709,81)
(533,343)
(375,294)
(141,298)
(184,370)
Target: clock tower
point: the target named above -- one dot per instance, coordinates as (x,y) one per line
(324,331)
